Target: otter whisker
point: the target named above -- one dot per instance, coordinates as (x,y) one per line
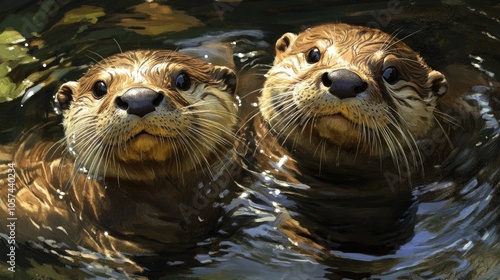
(250,93)
(88,159)
(52,150)
(302,121)
(400,40)
(213,137)
(207,123)
(90,146)
(291,126)
(206,127)
(289,122)
(445,117)
(117,44)
(264,107)
(211,112)
(177,157)
(389,41)
(363,136)
(202,160)
(187,143)
(444,132)
(269,122)
(322,153)
(400,149)
(285,105)
(391,145)
(100,56)
(374,136)
(218,151)
(407,136)
(108,156)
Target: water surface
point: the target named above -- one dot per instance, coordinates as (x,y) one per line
(451,226)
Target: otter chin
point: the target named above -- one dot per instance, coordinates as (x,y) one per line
(339,94)
(147,157)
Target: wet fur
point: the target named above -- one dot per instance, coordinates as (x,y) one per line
(385,121)
(345,167)
(109,187)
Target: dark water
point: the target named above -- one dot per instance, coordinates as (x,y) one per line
(449,228)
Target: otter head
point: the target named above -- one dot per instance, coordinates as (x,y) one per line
(152,111)
(339,87)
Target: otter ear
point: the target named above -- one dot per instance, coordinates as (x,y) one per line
(438,84)
(64,95)
(226,75)
(283,45)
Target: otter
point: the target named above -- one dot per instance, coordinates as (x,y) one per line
(344,119)
(146,160)
(345,96)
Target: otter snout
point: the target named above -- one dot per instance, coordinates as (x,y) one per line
(139,101)
(343,83)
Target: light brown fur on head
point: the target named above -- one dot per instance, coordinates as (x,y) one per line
(301,103)
(188,129)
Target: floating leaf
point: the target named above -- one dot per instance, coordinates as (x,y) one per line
(159,19)
(84,13)
(11,37)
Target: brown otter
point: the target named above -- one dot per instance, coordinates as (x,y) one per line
(341,95)
(147,155)
(345,113)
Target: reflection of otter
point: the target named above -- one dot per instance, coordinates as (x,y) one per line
(147,154)
(342,106)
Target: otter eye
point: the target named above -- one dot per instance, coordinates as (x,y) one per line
(391,75)
(100,89)
(313,55)
(182,81)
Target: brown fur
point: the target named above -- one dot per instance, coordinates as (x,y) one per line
(119,182)
(383,120)
(346,167)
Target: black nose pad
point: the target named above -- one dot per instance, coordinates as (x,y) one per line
(343,83)
(139,101)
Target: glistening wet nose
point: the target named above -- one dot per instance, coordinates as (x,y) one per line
(343,83)
(139,101)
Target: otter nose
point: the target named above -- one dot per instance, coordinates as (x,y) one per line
(139,101)
(343,83)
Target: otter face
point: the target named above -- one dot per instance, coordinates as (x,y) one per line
(149,106)
(352,88)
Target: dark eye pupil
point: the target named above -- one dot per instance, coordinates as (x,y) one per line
(100,89)
(391,75)
(313,56)
(182,81)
